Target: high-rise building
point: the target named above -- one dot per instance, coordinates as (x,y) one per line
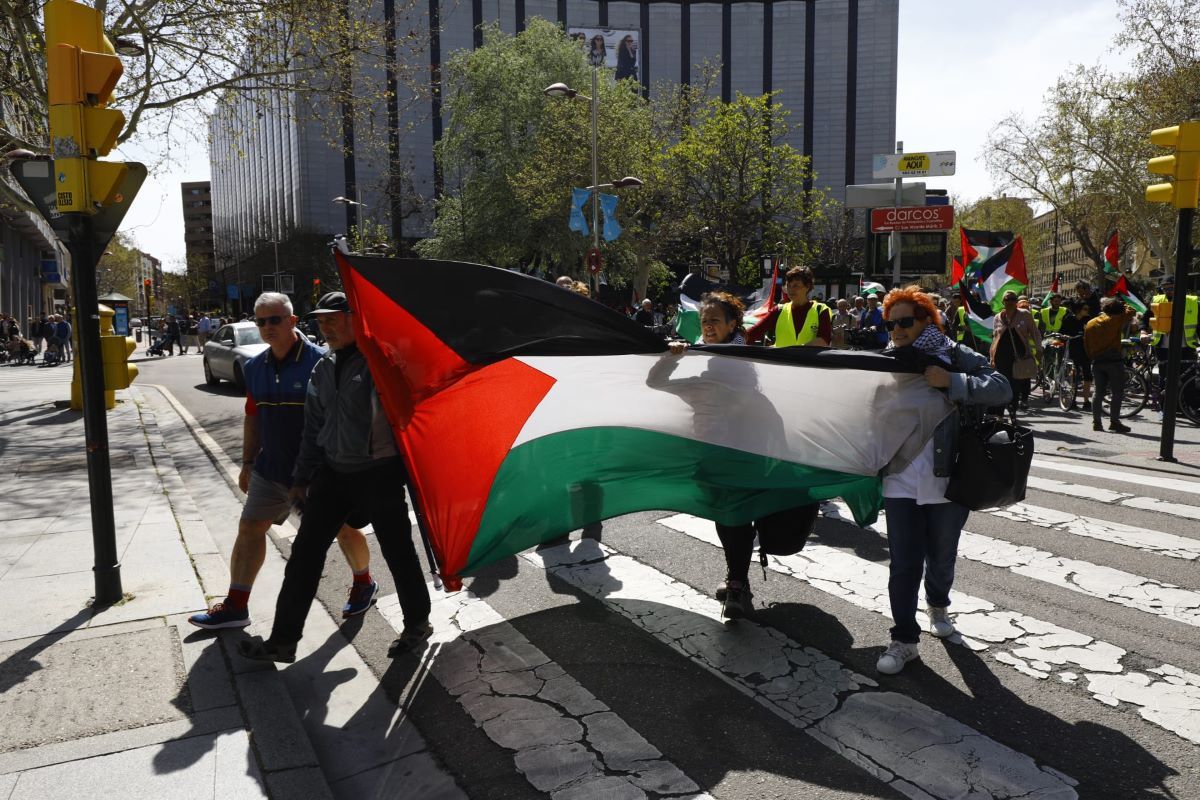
(198,238)
(279,164)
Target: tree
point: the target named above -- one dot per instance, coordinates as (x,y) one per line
(1086,153)
(119,269)
(732,181)
(190,54)
(511,155)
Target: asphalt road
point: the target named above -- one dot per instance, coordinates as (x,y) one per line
(1080,611)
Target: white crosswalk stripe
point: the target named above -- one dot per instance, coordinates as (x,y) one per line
(1130,476)
(1031,646)
(1188,512)
(1166,544)
(1105,583)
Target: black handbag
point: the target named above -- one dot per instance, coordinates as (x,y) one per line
(992,466)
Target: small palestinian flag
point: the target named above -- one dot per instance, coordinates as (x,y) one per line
(981,319)
(1003,271)
(978,247)
(687,319)
(1112,255)
(1121,289)
(524,412)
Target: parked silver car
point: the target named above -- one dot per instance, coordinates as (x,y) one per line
(226,353)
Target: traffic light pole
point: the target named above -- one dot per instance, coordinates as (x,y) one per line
(1183,260)
(107,568)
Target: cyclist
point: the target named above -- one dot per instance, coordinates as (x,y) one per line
(1050,319)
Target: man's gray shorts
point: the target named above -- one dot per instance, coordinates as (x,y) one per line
(266,500)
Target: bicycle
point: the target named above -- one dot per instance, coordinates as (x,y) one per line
(1047,380)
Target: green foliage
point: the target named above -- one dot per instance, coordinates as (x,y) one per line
(719,178)
(1086,154)
(732,180)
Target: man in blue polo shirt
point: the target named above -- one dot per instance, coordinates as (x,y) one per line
(276,386)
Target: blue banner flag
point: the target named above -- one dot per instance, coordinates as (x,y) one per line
(231,291)
(608,206)
(579,198)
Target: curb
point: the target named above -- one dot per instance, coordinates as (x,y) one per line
(285,754)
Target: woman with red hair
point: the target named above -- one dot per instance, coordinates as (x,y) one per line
(922,525)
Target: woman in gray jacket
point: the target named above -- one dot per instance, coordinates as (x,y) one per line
(922,525)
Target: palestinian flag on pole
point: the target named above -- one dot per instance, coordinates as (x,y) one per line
(756,312)
(979,246)
(1112,255)
(1004,270)
(687,319)
(980,317)
(524,412)
(1121,289)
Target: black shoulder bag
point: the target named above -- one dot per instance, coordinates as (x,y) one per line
(992,465)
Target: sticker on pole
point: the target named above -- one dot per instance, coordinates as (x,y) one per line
(914,165)
(595,261)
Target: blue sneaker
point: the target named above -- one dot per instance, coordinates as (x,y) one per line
(221,617)
(362,597)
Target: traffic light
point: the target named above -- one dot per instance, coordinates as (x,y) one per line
(114,352)
(82,69)
(1184,166)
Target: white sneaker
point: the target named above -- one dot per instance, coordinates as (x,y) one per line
(895,657)
(939,622)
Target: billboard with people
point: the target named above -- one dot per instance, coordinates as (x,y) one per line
(619,49)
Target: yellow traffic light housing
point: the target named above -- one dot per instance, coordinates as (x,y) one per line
(1184,166)
(114,352)
(82,71)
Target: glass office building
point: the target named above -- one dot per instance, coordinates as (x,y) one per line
(278,164)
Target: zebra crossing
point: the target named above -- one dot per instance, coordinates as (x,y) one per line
(1134,687)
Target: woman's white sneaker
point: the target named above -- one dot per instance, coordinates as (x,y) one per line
(895,657)
(939,622)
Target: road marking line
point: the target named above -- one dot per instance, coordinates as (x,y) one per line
(1104,583)
(1158,481)
(1164,695)
(1150,541)
(1190,513)
(566,742)
(805,687)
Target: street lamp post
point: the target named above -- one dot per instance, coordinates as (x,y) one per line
(562,90)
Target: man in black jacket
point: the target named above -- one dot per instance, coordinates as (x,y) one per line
(348,462)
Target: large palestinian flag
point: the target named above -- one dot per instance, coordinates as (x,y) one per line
(525,411)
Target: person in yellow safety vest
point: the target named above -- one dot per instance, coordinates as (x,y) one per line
(799,321)
(1050,318)
(1191,315)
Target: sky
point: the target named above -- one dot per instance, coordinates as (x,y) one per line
(963,65)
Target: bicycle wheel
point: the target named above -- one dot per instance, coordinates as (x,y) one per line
(1135,396)
(1068,386)
(1189,399)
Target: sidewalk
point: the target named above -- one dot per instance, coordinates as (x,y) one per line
(131,701)
(1069,434)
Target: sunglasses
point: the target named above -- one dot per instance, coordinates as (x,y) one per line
(902,322)
(274,319)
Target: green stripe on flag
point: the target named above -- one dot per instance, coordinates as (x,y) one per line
(687,320)
(568,480)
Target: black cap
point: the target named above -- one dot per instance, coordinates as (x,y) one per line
(1166,280)
(331,302)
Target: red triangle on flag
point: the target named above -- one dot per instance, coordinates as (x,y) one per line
(427,390)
